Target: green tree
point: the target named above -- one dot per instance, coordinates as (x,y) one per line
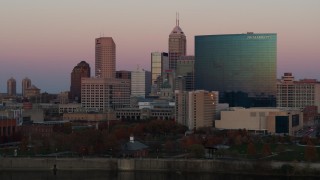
(251,150)
(197,151)
(310,152)
(266,150)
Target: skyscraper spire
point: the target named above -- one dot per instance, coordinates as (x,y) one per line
(178,19)
(177,44)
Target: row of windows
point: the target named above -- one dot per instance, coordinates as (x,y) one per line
(7,130)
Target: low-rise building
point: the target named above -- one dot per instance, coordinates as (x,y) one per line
(261,120)
(7,126)
(164,113)
(134,148)
(91,116)
(69,108)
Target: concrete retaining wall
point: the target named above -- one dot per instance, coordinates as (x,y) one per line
(110,164)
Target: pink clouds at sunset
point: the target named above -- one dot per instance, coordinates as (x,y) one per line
(44,40)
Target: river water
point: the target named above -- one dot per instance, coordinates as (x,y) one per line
(106,175)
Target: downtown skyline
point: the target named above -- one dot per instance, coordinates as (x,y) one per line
(44,40)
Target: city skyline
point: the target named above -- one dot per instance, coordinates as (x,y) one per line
(43,40)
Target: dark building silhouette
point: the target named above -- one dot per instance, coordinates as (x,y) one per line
(80,71)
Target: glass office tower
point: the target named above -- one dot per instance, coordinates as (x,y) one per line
(159,63)
(242,67)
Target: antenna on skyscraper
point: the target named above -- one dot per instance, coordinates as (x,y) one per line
(178,19)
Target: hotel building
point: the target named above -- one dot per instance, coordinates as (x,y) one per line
(242,67)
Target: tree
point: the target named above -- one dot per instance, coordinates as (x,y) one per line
(238,140)
(188,141)
(266,150)
(251,150)
(197,150)
(169,146)
(310,153)
(280,148)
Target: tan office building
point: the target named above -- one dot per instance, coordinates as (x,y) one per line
(105,57)
(261,120)
(195,109)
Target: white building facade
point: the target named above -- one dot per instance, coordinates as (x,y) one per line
(297,94)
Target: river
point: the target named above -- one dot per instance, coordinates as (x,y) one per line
(137,175)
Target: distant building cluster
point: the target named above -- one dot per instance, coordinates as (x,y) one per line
(229,83)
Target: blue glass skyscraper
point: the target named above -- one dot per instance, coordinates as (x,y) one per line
(242,67)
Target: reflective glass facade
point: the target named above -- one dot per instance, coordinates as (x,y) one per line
(159,63)
(242,67)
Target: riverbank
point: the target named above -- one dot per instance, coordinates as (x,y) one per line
(163,165)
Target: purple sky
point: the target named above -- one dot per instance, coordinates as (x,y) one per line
(44,40)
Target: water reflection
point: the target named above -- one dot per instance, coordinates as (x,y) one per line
(106,175)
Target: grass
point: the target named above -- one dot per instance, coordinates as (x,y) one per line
(281,152)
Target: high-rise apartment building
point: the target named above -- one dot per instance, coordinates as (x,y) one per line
(81,70)
(177,45)
(26,83)
(185,73)
(297,94)
(103,94)
(140,83)
(159,63)
(195,109)
(11,87)
(242,67)
(105,57)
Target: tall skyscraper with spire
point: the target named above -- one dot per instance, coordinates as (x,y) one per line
(177,45)
(105,58)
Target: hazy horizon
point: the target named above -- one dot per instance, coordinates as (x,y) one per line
(44,40)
